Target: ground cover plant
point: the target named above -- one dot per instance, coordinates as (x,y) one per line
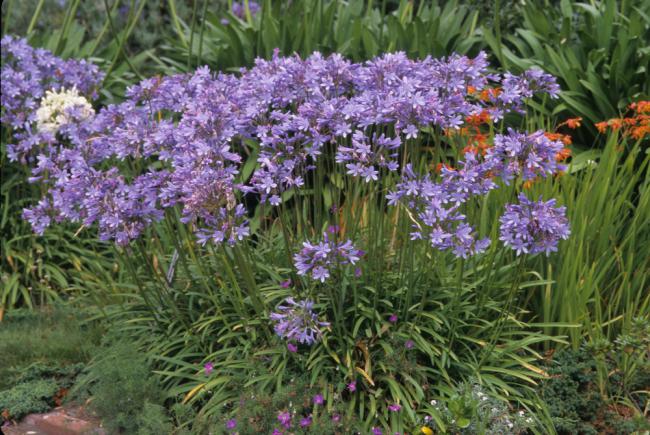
(382,243)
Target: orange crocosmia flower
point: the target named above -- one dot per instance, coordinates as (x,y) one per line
(573,123)
(471,89)
(640,132)
(440,165)
(615,123)
(641,106)
(564,154)
(478,119)
(528,184)
(602,126)
(470,149)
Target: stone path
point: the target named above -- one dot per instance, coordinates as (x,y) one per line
(67,420)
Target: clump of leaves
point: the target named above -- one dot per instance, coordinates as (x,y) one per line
(581,400)
(38,388)
(295,406)
(470,410)
(124,391)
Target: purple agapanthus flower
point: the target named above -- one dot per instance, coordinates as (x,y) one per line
(531,227)
(319,259)
(296,320)
(524,155)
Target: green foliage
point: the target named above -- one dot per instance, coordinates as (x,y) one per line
(124,392)
(471,411)
(575,402)
(256,411)
(36,389)
(356,29)
(598,50)
(600,273)
(53,338)
(29,397)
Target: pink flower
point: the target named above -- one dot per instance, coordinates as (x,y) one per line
(231,424)
(305,422)
(318,399)
(285,284)
(208,368)
(285,419)
(352,386)
(393,318)
(377,431)
(336,418)
(409,344)
(395,407)
(292,347)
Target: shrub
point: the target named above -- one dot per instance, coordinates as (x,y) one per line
(124,392)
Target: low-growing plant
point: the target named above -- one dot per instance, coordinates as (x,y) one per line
(580,401)
(37,388)
(123,391)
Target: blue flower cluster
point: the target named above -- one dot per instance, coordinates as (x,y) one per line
(296,321)
(180,141)
(531,227)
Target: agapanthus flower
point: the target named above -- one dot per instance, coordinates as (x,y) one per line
(296,320)
(524,155)
(434,208)
(239,10)
(367,156)
(320,259)
(531,227)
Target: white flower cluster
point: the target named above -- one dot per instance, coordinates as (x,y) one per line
(55,109)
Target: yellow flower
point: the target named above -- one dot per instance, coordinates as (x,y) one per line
(426,431)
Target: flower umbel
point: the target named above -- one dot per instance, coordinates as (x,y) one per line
(296,321)
(320,259)
(532,227)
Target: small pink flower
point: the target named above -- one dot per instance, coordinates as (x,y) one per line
(285,419)
(285,284)
(292,347)
(352,386)
(336,418)
(377,431)
(208,368)
(395,407)
(409,344)
(318,399)
(305,422)
(393,318)
(231,424)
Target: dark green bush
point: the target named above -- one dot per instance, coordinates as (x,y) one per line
(37,388)
(124,391)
